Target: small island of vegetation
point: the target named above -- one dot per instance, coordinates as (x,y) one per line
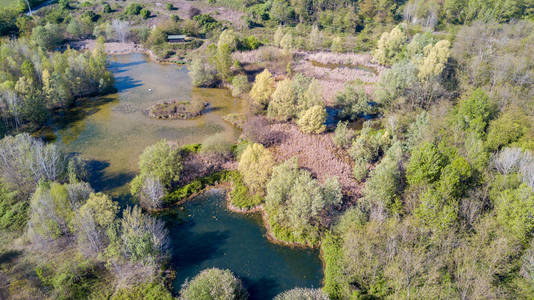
(177,110)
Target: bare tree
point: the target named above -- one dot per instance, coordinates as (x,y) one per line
(121,30)
(507,160)
(152,193)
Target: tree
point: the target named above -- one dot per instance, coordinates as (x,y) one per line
(343,135)
(278,34)
(475,112)
(390,46)
(255,165)
(224,61)
(50,213)
(48,36)
(214,284)
(302,294)
(353,102)
(121,29)
(295,202)
(240,85)
(284,100)
(228,37)
(161,161)
(203,73)
(263,88)
(515,208)
(425,164)
(312,120)
(281,12)
(152,193)
(435,59)
(92,221)
(25,160)
(139,238)
(383,186)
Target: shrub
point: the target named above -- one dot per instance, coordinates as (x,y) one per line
(240,195)
(145,291)
(13,213)
(302,294)
(312,120)
(218,144)
(214,284)
(263,88)
(255,165)
(240,85)
(353,102)
(145,13)
(107,8)
(169,6)
(343,135)
(133,9)
(360,170)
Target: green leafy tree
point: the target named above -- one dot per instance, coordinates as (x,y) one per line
(515,208)
(159,160)
(214,284)
(475,112)
(224,61)
(426,164)
(48,36)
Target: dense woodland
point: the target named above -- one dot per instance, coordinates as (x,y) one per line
(428,189)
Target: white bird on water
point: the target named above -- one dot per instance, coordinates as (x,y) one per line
(150,90)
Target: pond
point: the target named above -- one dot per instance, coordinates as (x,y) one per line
(112,131)
(205,234)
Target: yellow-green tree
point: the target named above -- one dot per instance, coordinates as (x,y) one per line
(283,104)
(435,59)
(263,88)
(312,120)
(255,165)
(390,45)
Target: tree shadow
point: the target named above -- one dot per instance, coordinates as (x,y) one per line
(100,181)
(263,288)
(123,83)
(119,67)
(82,109)
(9,256)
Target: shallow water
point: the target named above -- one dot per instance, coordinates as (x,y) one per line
(112,131)
(205,234)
